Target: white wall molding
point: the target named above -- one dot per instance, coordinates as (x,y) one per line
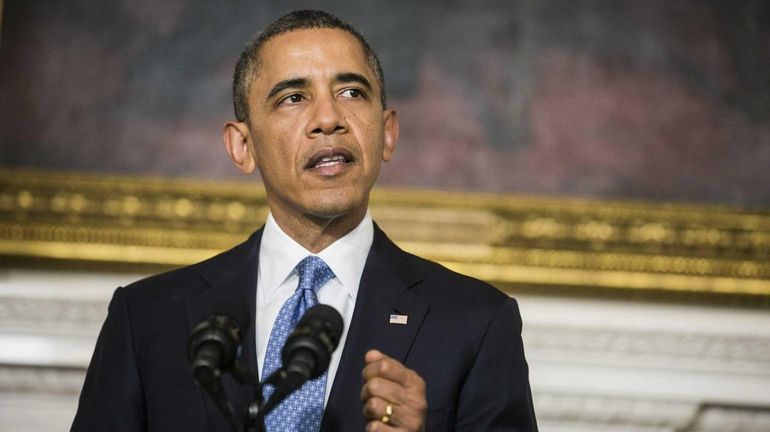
(687,350)
(595,365)
(41,380)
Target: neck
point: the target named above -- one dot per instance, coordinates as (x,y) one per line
(316,233)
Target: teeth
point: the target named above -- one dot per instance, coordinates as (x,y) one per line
(330,160)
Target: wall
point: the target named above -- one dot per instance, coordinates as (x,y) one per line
(596,365)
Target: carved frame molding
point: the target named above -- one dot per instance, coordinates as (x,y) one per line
(519,243)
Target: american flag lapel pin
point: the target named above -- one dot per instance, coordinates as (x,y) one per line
(398,319)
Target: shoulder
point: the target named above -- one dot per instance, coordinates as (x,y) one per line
(454,292)
(181,283)
(440,285)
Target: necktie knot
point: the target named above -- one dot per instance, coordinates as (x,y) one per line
(313,273)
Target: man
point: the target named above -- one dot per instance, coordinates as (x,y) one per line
(423,348)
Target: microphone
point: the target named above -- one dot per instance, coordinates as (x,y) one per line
(212,348)
(309,348)
(306,353)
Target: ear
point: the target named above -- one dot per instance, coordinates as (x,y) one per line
(236,138)
(390,132)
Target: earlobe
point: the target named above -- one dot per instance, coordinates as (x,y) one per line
(236,137)
(390,133)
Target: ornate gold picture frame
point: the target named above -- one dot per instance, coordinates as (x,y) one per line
(711,253)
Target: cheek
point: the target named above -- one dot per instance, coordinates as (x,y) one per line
(285,129)
(278,143)
(370,130)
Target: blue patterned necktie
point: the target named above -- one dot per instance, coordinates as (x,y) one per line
(302,410)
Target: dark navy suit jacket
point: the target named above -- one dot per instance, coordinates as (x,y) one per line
(462,336)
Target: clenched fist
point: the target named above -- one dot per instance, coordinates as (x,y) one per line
(393,395)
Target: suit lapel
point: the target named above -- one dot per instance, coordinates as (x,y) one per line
(385,289)
(232,279)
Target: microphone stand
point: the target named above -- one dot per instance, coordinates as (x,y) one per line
(252,419)
(258,408)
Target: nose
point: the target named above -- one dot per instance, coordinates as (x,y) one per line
(326,118)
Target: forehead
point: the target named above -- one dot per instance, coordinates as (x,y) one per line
(311,52)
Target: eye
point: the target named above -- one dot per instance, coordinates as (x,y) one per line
(353,93)
(291,99)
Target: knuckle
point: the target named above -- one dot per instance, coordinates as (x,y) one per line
(370,406)
(377,386)
(420,385)
(420,379)
(366,391)
(421,405)
(373,386)
(404,394)
(386,366)
(416,379)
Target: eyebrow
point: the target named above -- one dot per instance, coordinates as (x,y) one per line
(352,77)
(345,77)
(286,84)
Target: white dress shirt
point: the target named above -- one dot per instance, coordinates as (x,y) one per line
(277,280)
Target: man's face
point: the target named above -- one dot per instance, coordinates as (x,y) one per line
(317,130)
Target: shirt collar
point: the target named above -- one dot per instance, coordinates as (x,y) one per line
(279,254)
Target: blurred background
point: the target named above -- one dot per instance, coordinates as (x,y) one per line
(659,107)
(659,99)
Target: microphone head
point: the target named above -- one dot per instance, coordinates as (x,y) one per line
(315,339)
(213,347)
(326,317)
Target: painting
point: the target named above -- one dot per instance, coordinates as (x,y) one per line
(654,100)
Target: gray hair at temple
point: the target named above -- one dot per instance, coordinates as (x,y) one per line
(248,64)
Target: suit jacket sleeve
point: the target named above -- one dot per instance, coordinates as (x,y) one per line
(112,398)
(496,395)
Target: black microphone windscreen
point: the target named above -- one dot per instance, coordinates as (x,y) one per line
(325,314)
(308,349)
(213,345)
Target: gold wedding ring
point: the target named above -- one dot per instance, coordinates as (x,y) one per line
(388,412)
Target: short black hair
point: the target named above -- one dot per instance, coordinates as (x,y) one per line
(248,63)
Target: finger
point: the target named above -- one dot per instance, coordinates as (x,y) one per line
(392,381)
(375,408)
(388,382)
(401,416)
(378,426)
(407,407)
(390,369)
(373,355)
(384,389)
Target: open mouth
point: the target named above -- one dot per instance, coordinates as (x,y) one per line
(329,158)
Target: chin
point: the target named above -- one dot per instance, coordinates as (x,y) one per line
(335,207)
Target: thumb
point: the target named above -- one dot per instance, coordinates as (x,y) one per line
(373,356)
